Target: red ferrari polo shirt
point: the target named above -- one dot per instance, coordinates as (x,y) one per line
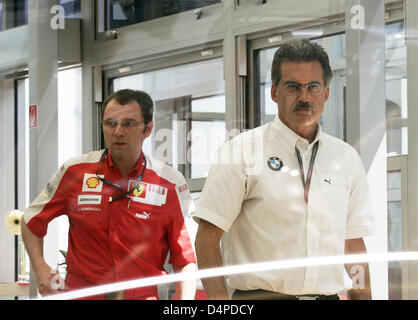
(121,240)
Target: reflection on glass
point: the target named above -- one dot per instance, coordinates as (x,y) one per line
(209,104)
(69,114)
(72,8)
(396,90)
(189,113)
(13,14)
(332,119)
(126,12)
(394,180)
(246,2)
(20,10)
(69,146)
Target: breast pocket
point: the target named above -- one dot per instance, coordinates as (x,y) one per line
(334,194)
(88,211)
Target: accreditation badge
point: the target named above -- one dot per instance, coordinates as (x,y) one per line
(139,190)
(91,183)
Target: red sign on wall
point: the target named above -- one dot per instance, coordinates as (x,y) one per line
(33,116)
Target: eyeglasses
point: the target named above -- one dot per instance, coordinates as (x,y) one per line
(126,124)
(294,88)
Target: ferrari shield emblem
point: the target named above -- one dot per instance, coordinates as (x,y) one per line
(139,190)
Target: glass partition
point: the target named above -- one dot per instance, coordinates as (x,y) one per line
(72,8)
(197,94)
(395,233)
(396,90)
(1,16)
(13,13)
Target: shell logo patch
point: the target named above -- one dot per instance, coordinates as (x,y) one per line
(91,183)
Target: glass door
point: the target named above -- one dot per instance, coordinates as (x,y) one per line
(397,225)
(189,116)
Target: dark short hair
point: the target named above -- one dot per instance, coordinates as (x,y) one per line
(125,96)
(302,50)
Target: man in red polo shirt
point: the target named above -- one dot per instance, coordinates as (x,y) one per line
(125,209)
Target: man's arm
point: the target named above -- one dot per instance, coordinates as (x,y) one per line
(44,273)
(185,290)
(359,272)
(209,256)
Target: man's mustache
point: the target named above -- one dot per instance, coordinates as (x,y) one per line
(303,106)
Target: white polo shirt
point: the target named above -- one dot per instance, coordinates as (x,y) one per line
(254,192)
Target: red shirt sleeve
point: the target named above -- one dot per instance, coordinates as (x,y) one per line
(49,204)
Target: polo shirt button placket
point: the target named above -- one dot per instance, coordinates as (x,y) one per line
(111,232)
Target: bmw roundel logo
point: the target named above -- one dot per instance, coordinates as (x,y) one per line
(275,163)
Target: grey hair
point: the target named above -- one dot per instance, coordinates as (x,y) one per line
(303,50)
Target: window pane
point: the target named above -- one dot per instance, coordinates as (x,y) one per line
(200,79)
(69,144)
(127,12)
(206,137)
(394,233)
(247,2)
(333,117)
(396,90)
(13,14)
(1,15)
(21,12)
(209,104)
(72,8)
(189,106)
(69,114)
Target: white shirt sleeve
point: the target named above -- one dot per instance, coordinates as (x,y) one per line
(224,189)
(360,217)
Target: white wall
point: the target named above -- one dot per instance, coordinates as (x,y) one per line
(7,185)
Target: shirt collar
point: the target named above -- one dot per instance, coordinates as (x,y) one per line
(291,139)
(137,168)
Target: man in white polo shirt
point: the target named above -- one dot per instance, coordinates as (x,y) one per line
(286,190)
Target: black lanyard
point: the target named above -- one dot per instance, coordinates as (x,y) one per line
(116,186)
(307,184)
